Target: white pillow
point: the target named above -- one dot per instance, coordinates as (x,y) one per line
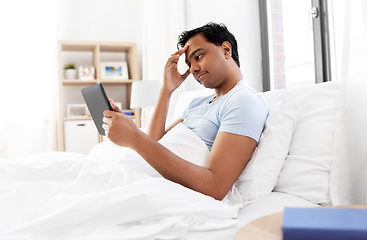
(306,172)
(261,173)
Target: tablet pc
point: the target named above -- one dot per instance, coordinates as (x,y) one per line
(97,102)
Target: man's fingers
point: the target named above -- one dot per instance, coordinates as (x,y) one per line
(173,59)
(171,66)
(181,51)
(106,120)
(108,113)
(186,74)
(115,107)
(105,127)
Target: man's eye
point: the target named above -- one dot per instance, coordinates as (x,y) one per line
(199,56)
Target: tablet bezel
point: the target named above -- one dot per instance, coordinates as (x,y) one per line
(97,102)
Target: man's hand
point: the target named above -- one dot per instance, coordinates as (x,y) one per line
(120,128)
(172,78)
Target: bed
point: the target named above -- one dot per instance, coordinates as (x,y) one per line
(72,196)
(111,193)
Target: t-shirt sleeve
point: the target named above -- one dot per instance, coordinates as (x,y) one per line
(245,115)
(184,113)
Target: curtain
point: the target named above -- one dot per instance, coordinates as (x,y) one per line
(28,77)
(162,22)
(348,35)
(348,25)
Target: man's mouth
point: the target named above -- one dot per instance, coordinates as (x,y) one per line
(200,75)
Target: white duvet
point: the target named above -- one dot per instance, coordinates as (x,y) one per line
(110,194)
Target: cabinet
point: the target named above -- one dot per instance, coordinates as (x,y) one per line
(93,54)
(80,136)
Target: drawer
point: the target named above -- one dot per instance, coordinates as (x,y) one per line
(80,136)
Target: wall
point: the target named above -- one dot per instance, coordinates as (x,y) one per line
(31,32)
(96,20)
(243,20)
(119,20)
(28,51)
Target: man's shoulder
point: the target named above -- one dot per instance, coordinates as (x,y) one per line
(244,93)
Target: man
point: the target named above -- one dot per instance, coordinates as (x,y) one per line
(229,122)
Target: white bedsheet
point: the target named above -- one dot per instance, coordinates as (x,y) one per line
(110,194)
(273,203)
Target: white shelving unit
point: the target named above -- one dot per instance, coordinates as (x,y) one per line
(92,54)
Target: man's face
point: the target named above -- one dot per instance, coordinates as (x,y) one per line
(207,62)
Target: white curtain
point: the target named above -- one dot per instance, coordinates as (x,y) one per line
(348,36)
(28,77)
(162,22)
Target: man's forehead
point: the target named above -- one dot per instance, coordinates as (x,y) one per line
(197,40)
(190,53)
(196,43)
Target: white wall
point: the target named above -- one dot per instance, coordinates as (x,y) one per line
(28,51)
(242,19)
(107,20)
(100,20)
(119,20)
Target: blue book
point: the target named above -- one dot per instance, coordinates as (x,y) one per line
(324,223)
(128,113)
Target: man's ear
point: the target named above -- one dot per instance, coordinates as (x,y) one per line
(227,49)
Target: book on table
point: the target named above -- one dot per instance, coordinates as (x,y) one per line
(324,223)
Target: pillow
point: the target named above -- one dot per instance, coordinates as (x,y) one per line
(306,172)
(262,171)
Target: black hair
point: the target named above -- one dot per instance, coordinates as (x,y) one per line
(216,33)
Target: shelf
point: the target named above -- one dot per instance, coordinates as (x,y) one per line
(113,47)
(88,82)
(90,46)
(85,118)
(86,53)
(77,118)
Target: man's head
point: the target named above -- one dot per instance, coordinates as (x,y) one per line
(213,33)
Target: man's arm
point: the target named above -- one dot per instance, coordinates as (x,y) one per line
(172,80)
(229,155)
(158,123)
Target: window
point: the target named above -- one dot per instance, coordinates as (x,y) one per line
(294,42)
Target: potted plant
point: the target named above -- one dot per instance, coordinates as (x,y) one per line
(70,72)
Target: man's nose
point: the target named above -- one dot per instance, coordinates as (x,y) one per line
(194,68)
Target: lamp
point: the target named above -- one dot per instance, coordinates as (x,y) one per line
(144,93)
